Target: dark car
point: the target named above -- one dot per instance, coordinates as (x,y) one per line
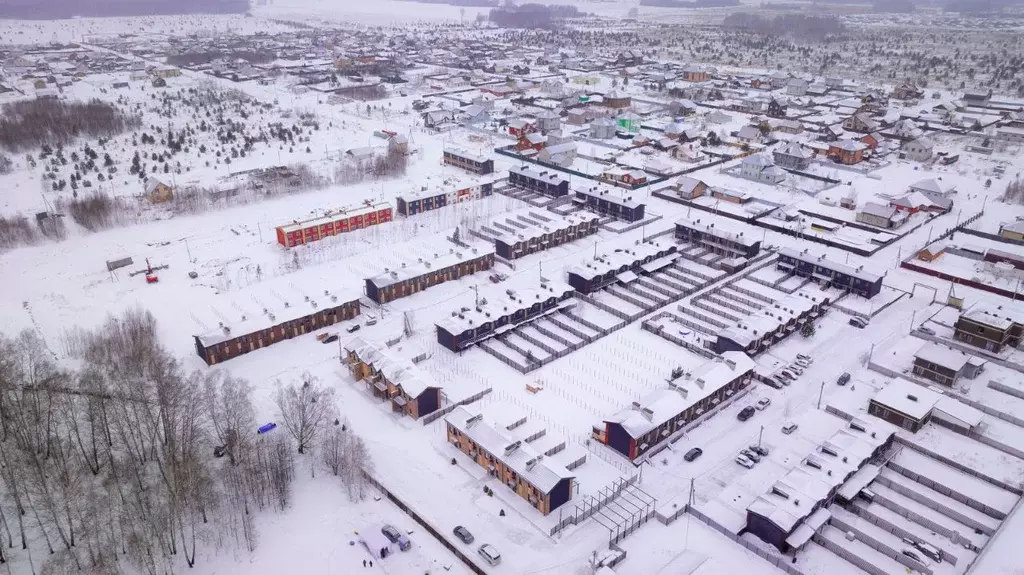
(858,322)
(843,379)
(693,454)
(396,536)
(760,450)
(745,413)
(463,534)
(330,339)
(352,328)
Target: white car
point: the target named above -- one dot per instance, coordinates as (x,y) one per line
(796,369)
(788,373)
(489,553)
(802,363)
(762,403)
(806,358)
(744,461)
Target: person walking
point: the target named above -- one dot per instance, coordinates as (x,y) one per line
(364,563)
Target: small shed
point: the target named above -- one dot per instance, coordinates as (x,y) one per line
(158,192)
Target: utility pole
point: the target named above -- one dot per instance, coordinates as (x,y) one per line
(476,292)
(912,317)
(820,392)
(761,433)
(188,251)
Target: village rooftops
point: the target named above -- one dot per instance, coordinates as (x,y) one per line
(500,303)
(942,356)
(879,210)
(441,260)
(275,309)
(525,461)
(624,257)
(821,260)
(666,403)
(767,320)
(609,194)
(397,370)
(552,177)
(850,145)
(920,200)
(933,186)
(999,317)
(449,183)
(718,232)
(537,231)
(791,499)
(796,150)
(464,154)
(910,399)
(332,216)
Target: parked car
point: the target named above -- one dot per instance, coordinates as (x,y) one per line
(789,428)
(843,379)
(396,536)
(760,450)
(744,461)
(858,322)
(266,427)
(787,373)
(926,330)
(750,455)
(693,454)
(745,413)
(463,534)
(796,369)
(371,321)
(489,553)
(762,403)
(773,382)
(802,363)
(780,379)
(353,328)
(912,555)
(806,358)
(330,339)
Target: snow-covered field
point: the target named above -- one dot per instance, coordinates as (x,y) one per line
(54,287)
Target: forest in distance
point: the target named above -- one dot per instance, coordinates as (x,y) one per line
(60,9)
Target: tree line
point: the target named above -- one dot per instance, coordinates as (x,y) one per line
(128,464)
(33,123)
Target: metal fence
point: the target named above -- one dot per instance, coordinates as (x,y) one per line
(896,530)
(937,485)
(957,465)
(433,416)
(849,556)
(469,563)
(879,546)
(781,562)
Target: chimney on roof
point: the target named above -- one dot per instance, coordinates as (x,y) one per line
(636,405)
(648,413)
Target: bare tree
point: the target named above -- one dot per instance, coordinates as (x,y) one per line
(304,409)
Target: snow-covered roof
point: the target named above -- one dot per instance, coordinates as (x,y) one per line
(1000,317)
(527,171)
(795,150)
(792,498)
(718,232)
(500,303)
(332,216)
(461,153)
(910,399)
(760,160)
(609,194)
(622,258)
(396,370)
(879,210)
(426,265)
(821,260)
(520,456)
(942,356)
(748,133)
(768,319)
(850,145)
(933,186)
(920,200)
(687,184)
(666,403)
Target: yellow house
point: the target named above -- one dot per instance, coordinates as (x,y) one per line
(1012,230)
(158,192)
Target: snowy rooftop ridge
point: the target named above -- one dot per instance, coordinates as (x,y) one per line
(346,212)
(397,370)
(821,260)
(665,403)
(532,466)
(620,258)
(495,302)
(425,265)
(1001,316)
(794,497)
